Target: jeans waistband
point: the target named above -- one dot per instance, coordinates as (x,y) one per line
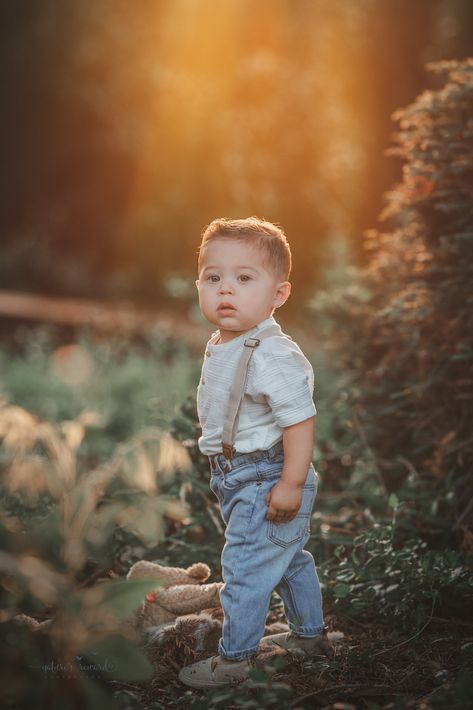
(218,461)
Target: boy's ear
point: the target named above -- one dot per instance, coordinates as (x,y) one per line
(197,283)
(283,292)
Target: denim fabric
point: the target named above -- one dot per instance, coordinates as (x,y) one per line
(260,556)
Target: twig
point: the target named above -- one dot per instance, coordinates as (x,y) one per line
(371,452)
(101,572)
(211,513)
(354,621)
(403,643)
(460,445)
(214,519)
(464,514)
(409,467)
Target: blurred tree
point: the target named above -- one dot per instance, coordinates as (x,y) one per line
(126,130)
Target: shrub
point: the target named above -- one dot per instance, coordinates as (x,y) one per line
(404,327)
(379,580)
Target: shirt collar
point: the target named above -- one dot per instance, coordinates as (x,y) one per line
(237,341)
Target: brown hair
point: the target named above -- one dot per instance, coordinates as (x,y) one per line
(267,236)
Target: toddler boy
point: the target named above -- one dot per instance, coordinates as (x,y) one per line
(256,411)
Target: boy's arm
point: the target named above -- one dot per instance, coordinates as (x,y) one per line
(284,499)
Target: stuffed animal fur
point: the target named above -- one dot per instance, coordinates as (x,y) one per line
(182,616)
(175,607)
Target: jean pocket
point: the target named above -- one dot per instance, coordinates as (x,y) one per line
(287,534)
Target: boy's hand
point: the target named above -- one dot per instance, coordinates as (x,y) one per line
(283,501)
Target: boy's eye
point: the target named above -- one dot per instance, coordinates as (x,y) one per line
(244,277)
(213,278)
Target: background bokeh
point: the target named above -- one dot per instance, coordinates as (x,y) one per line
(128,126)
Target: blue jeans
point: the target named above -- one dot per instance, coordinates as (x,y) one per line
(259,556)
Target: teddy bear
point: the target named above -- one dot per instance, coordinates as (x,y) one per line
(181,609)
(182,617)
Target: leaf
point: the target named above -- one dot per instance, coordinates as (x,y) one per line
(393,501)
(199,705)
(175,510)
(258,675)
(117,658)
(341,590)
(172,456)
(73,432)
(149,524)
(144,476)
(100,527)
(123,597)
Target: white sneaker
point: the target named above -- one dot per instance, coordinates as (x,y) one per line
(214,672)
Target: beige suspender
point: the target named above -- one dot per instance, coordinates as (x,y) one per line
(237,389)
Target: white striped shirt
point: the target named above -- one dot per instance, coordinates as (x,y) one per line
(278,392)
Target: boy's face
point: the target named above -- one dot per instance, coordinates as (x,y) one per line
(236,288)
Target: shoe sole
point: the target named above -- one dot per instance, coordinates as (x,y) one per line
(194,683)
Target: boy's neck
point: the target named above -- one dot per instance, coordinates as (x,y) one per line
(221,339)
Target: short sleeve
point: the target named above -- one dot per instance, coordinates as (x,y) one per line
(284,376)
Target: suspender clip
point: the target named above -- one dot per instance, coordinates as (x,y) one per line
(252,342)
(227,451)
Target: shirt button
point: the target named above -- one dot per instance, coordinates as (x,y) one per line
(208,353)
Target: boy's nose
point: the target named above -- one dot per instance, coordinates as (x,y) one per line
(225,287)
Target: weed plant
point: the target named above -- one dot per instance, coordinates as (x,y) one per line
(57,527)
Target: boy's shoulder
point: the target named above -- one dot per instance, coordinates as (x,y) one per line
(278,357)
(278,346)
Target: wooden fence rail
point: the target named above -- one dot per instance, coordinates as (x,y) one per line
(121,318)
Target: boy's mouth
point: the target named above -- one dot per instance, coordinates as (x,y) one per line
(226,309)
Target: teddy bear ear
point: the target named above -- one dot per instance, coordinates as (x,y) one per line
(199,572)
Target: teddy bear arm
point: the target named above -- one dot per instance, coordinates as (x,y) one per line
(195,574)
(188,599)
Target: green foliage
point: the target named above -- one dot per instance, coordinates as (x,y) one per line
(395,441)
(57,523)
(359,579)
(127,388)
(203,538)
(378,578)
(456,695)
(118,658)
(402,329)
